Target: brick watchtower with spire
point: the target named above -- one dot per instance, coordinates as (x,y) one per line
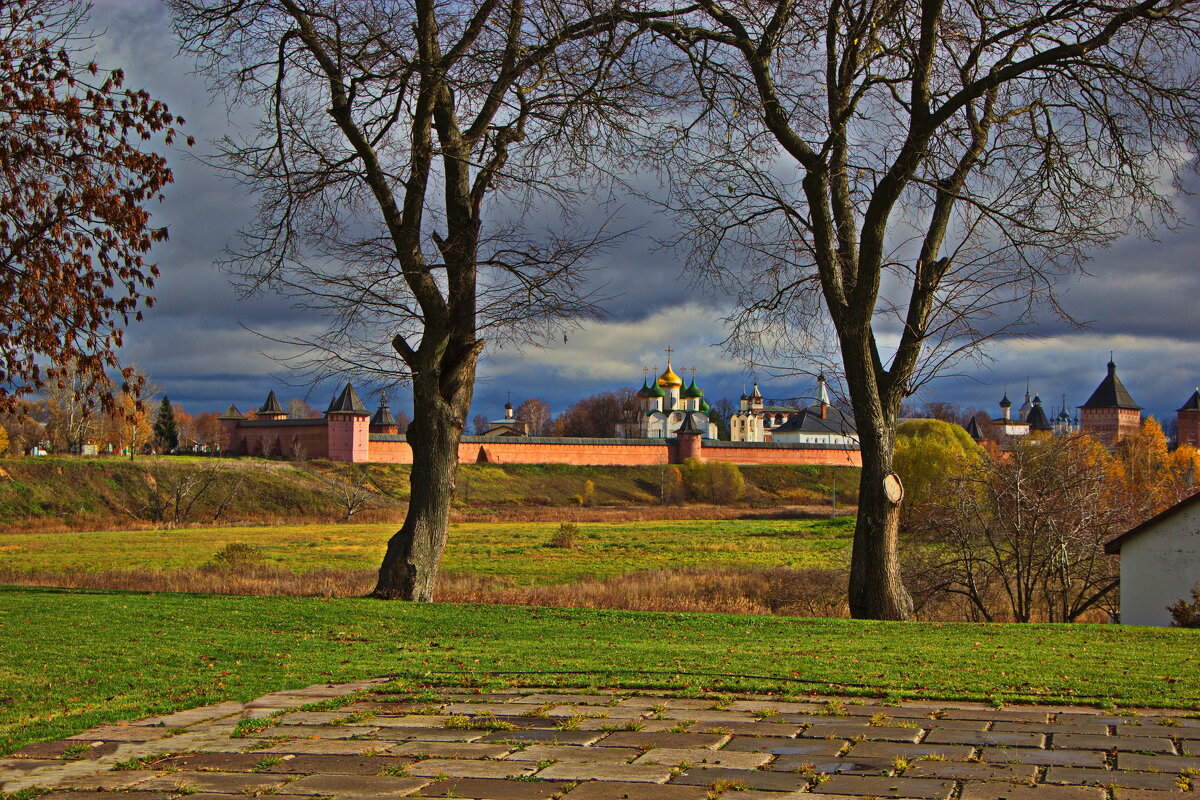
(1188,421)
(1110,414)
(349,425)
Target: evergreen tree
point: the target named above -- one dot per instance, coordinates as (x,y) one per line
(165,430)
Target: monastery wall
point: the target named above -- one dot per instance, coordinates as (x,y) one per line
(289,438)
(614,452)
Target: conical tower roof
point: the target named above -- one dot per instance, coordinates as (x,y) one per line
(1037,419)
(688,426)
(383,415)
(348,403)
(1111,393)
(271,406)
(232,413)
(1193,402)
(973,430)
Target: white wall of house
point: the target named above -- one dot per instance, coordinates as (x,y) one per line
(1159,566)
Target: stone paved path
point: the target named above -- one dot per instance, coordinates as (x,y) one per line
(363,740)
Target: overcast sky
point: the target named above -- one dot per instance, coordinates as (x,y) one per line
(1140,298)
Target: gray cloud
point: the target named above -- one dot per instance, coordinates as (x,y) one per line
(1140,295)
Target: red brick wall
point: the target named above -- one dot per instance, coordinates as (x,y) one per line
(1109,425)
(757,455)
(501,451)
(289,441)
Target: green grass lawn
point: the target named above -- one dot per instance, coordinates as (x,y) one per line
(70,660)
(509,549)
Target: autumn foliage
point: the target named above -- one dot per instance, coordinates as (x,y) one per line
(76,179)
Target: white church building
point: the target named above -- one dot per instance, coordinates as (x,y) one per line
(665,404)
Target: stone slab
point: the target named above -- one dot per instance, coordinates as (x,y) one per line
(866,786)
(121,733)
(986,738)
(451,750)
(822,748)
(336,765)
(469,768)
(965,771)
(232,782)
(1122,744)
(710,741)
(1109,777)
(872,733)
(1044,758)
(807,765)
(332,747)
(487,789)
(571,754)
(1008,791)
(747,778)
(1144,763)
(624,790)
(699,757)
(629,773)
(365,786)
(543,737)
(954,752)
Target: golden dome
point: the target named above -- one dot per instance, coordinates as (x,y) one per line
(669,380)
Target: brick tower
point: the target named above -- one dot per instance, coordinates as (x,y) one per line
(1110,414)
(349,425)
(1188,421)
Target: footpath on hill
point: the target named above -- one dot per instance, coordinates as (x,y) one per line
(384,738)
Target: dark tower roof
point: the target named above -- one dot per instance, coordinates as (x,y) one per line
(689,426)
(1005,402)
(232,413)
(973,430)
(383,416)
(347,403)
(1037,419)
(271,406)
(1111,393)
(1193,402)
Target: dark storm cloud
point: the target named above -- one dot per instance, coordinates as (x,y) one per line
(1139,298)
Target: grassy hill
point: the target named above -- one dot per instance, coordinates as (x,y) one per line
(65,493)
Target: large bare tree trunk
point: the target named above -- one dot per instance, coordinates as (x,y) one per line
(414,553)
(876,590)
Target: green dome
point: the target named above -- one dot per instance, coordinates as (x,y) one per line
(691,390)
(654,390)
(705,407)
(644,391)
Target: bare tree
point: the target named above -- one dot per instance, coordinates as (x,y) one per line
(1025,533)
(481,423)
(399,148)
(924,172)
(535,413)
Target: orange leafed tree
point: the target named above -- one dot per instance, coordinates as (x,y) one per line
(75,181)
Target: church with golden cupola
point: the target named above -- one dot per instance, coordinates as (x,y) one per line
(666,404)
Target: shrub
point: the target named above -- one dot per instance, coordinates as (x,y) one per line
(726,482)
(566,536)
(1185,614)
(716,482)
(239,556)
(587,498)
(673,490)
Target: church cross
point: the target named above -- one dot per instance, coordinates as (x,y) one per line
(669,351)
